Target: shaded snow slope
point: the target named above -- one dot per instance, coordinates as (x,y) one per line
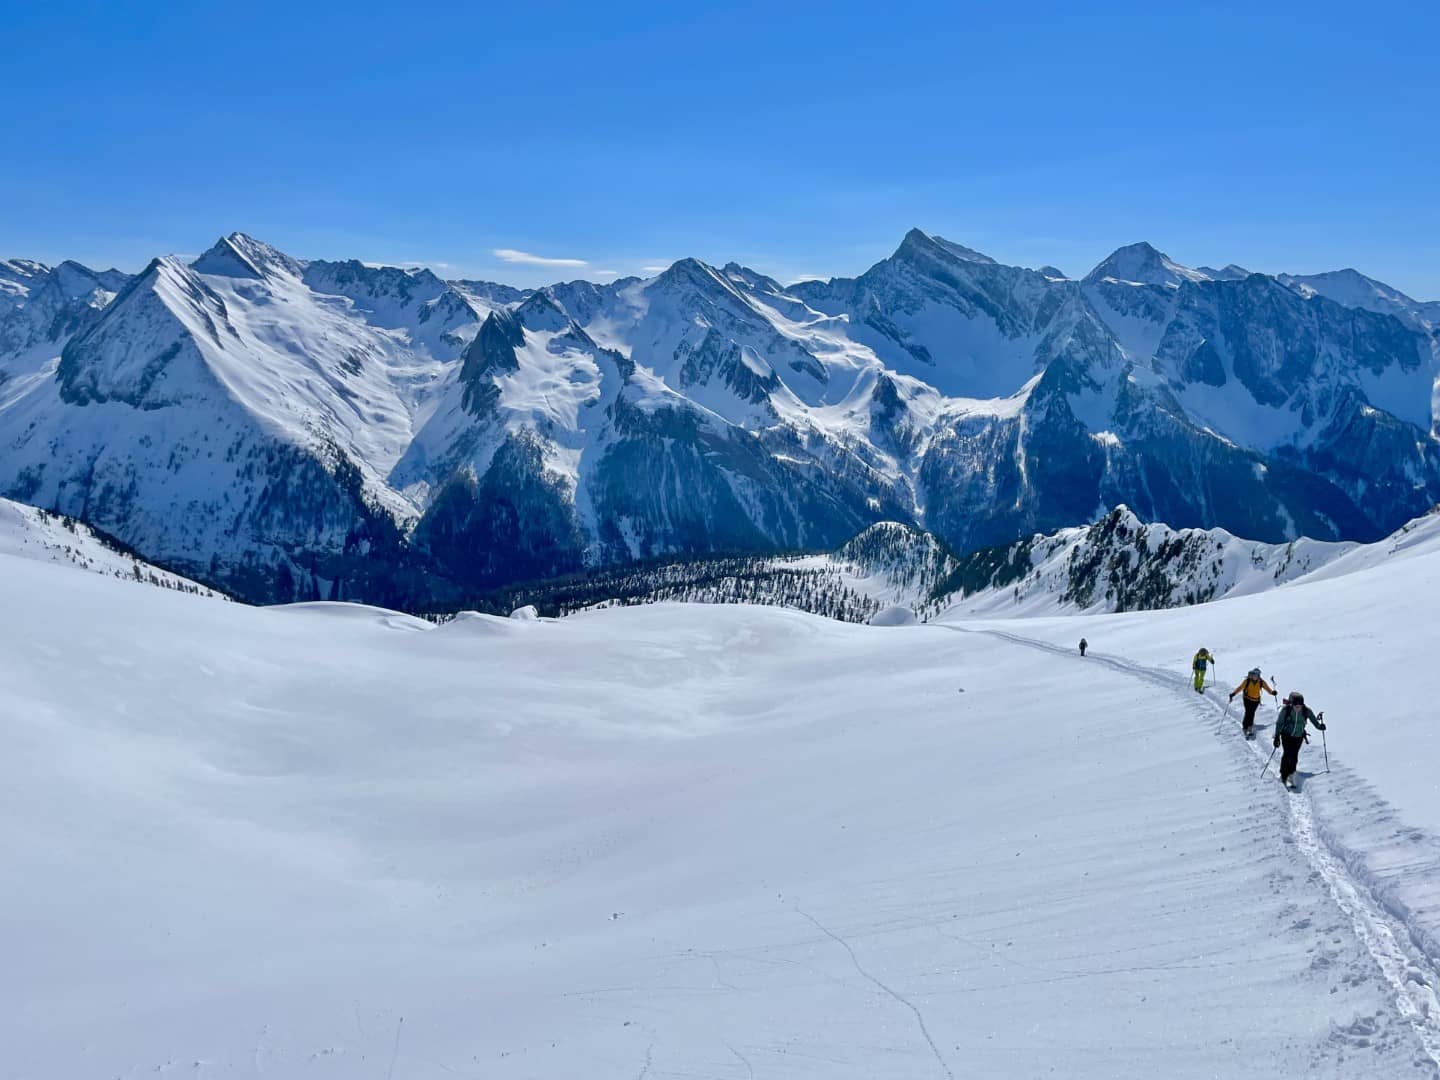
(724,842)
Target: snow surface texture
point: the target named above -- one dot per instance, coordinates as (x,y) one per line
(333,841)
(294,429)
(30,533)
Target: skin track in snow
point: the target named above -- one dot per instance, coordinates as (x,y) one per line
(1410,974)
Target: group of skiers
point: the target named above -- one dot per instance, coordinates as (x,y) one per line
(1290,724)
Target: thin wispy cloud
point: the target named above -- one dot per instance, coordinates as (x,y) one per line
(510,255)
(606,273)
(656,269)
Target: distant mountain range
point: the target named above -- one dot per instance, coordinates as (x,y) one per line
(283,428)
(1118,563)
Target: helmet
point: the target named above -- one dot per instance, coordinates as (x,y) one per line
(1254,673)
(1297,698)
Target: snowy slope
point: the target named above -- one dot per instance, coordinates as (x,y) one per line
(720,842)
(1356,638)
(27,532)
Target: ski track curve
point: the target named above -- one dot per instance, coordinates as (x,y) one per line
(1390,939)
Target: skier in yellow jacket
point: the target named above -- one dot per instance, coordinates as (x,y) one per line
(1253,686)
(1202,658)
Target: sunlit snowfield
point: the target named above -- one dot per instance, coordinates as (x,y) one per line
(709,842)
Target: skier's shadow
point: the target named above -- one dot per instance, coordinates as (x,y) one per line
(1301,778)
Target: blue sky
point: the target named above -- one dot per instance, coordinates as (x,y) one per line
(799,139)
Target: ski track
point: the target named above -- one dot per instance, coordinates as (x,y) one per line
(902,999)
(1408,970)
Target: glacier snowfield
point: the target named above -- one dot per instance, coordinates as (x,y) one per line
(330,841)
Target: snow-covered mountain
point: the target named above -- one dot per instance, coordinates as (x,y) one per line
(238,417)
(288,428)
(41,308)
(1353,289)
(1117,564)
(28,532)
(1121,563)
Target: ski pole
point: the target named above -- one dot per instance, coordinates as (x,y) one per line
(1268,760)
(1324,746)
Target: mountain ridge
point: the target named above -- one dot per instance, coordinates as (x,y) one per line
(391,436)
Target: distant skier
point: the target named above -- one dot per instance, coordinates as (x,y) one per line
(1203,658)
(1083,646)
(1290,730)
(1253,686)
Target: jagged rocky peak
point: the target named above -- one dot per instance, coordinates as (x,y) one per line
(1230,272)
(492,292)
(494,351)
(76,281)
(750,279)
(21,272)
(692,282)
(922,245)
(1143,264)
(26,279)
(1053,273)
(1351,288)
(540,311)
(691,272)
(239,255)
(380,277)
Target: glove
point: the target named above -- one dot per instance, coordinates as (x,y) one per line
(1319,725)
(1276,742)
(1232,697)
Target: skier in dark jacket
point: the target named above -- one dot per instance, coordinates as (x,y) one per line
(1252,688)
(1083,645)
(1290,730)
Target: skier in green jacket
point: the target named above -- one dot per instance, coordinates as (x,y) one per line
(1290,731)
(1202,658)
